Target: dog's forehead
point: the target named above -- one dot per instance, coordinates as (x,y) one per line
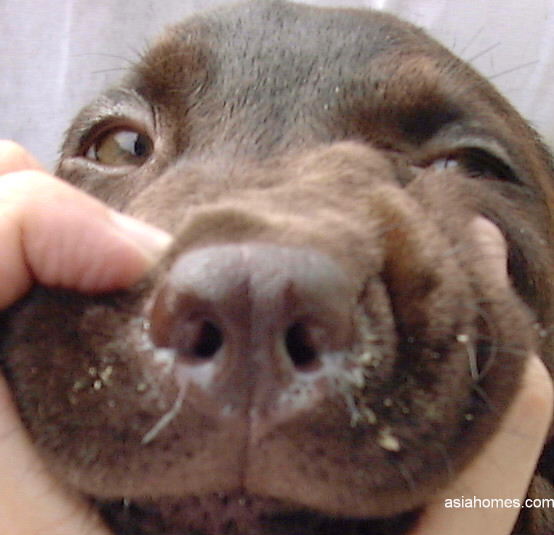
(276,42)
(289,67)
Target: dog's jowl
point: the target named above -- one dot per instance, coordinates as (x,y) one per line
(328,342)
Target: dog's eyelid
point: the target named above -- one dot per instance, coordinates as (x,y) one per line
(117,108)
(479,157)
(479,163)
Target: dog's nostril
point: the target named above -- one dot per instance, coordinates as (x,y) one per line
(251,313)
(200,339)
(301,345)
(210,340)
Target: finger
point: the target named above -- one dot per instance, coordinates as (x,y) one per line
(13,158)
(31,500)
(491,255)
(55,234)
(503,469)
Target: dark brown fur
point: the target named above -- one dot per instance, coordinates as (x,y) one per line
(297,127)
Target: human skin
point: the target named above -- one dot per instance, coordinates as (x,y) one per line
(89,248)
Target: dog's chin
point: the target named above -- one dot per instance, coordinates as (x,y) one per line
(239,514)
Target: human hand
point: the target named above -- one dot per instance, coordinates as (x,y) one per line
(54,234)
(503,469)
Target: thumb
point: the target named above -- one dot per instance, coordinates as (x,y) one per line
(57,235)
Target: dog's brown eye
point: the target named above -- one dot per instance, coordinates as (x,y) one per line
(477,163)
(121,147)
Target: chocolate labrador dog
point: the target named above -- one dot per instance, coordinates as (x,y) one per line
(323,348)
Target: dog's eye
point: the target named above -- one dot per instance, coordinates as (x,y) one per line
(120,147)
(477,163)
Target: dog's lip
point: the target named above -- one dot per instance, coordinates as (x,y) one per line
(255,514)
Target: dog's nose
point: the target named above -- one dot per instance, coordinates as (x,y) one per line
(249,321)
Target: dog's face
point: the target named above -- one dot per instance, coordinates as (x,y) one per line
(323,345)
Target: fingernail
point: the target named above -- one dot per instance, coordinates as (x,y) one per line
(151,240)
